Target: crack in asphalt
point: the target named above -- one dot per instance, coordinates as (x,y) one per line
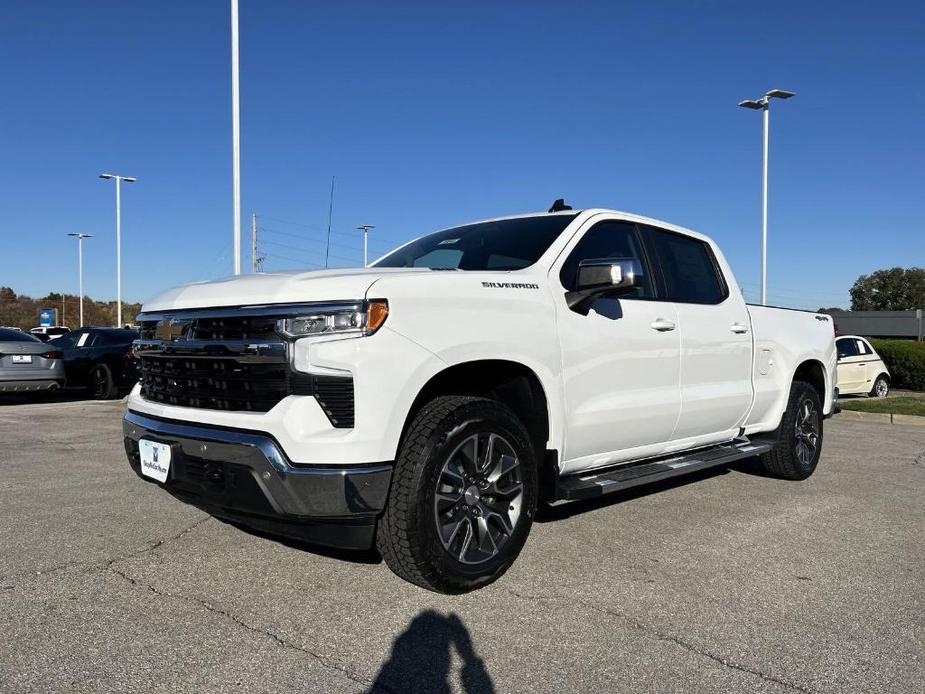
(273,636)
(158,543)
(106,563)
(670,638)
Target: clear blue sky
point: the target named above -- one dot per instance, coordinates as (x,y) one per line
(433,113)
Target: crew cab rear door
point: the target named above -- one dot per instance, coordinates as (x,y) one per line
(716,340)
(620,361)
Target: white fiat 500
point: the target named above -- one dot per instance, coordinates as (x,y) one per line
(860,368)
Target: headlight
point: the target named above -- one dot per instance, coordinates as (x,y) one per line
(349,320)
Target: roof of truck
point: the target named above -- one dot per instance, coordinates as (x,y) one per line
(591,211)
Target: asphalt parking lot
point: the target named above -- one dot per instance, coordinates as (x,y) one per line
(727,582)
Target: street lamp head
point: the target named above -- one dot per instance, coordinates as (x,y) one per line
(779,94)
(106,176)
(81,236)
(366,227)
(751,103)
(129,179)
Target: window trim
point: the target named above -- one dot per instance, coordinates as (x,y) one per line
(646,258)
(664,294)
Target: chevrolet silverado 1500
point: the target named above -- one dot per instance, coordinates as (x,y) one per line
(430,403)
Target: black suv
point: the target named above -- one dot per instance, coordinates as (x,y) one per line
(100,360)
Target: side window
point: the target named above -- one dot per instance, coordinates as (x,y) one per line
(846,348)
(862,347)
(690,270)
(608,240)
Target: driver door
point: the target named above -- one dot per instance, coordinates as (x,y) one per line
(852,366)
(620,362)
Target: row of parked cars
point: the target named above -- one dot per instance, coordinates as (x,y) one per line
(99,360)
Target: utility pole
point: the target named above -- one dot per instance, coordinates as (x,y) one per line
(255,261)
(365,229)
(118,179)
(80,273)
(235,140)
(763,104)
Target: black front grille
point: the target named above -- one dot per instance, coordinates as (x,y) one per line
(213,329)
(236,363)
(217,383)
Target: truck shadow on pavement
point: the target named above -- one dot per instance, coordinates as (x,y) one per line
(421,659)
(355,556)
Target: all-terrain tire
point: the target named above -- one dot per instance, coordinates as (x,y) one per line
(407,535)
(787,460)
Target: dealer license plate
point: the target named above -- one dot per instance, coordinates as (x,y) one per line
(22,358)
(155,459)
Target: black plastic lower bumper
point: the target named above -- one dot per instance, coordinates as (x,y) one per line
(244,477)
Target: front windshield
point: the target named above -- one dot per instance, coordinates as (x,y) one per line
(507,244)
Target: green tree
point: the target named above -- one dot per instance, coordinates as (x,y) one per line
(896,289)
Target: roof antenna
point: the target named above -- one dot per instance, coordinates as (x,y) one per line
(559,206)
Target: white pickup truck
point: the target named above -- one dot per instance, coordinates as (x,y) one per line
(430,403)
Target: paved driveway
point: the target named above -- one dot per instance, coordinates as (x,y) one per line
(727,582)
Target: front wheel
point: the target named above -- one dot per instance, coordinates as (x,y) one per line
(799,437)
(463,497)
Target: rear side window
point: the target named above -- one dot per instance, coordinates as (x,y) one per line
(612,239)
(7,335)
(117,337)
(689,268)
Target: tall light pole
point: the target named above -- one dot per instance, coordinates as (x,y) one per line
(763,104)
(80,271)
(118,179)
(365,229)
(235,140)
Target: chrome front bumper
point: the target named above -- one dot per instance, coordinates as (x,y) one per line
(245,476)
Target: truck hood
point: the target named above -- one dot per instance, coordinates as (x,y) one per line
(293,286)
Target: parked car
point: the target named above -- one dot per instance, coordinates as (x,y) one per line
(430,402)
(100,360)
(53,332)
(861,371)
(28,364)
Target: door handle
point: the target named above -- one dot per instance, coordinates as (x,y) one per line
(662,325)
(739,329)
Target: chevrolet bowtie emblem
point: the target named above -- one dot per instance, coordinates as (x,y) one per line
(171,329)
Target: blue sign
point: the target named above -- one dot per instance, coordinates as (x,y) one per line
(47,317)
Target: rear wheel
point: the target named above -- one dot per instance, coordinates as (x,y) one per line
(881,387)
(102,384)
(463,497)
(799,437)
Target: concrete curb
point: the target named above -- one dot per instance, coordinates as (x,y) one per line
(881,417)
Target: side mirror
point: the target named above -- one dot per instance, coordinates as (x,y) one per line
(600,276)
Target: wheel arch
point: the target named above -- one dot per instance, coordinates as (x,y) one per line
(511,382)
(812,371)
